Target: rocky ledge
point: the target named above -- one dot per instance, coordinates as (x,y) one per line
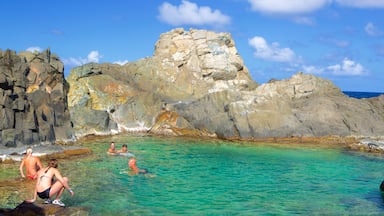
(42,151)
(369,145)
(29,209)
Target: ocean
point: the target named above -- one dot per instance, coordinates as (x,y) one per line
(360,95)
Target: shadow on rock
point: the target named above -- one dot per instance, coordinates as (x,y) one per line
(32,209)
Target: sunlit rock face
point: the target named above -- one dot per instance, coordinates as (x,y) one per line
(33,98)
(197,84)
(186,65)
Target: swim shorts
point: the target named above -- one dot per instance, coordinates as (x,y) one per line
(44,194)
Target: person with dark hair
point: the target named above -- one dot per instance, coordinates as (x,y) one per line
(46,187)
(32,165)
(124,149)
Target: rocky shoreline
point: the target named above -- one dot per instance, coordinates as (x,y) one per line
(364,144)
(42,151)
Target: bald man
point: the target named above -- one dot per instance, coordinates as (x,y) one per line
(32,165)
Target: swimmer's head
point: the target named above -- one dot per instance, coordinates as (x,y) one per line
(29,150)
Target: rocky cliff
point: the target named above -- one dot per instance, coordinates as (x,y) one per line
(197,84)
(33,98)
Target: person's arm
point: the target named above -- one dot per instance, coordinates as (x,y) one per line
(59,177)
(21,168)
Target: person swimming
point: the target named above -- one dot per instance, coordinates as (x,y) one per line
(112,149)
(134,168)
(124,149)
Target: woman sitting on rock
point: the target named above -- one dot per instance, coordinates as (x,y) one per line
(46,187)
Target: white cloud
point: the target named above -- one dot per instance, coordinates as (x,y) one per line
(362,3)
(296,7)
(271,52)
(121,62)
(372,30)
(34,49)
(190,13)
(347,68)
(313,69)
(93,56)
(287,7)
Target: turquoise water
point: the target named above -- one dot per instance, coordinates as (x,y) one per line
(194,177)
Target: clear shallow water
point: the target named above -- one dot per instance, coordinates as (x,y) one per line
(192,177)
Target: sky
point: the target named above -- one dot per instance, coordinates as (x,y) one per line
(338,40)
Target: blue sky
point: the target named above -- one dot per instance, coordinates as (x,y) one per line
(339,40)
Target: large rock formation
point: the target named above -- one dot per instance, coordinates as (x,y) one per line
(33,98)
(197,84)
(186,66)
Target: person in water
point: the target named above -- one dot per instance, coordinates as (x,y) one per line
(112,149)
(32,165)
(124,149)
(46,187)
(134,168)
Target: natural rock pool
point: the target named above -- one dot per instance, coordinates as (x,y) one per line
(211,177)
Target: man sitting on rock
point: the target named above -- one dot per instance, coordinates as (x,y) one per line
(32,165)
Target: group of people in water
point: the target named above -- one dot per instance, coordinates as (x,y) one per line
(50,184)
(131,162)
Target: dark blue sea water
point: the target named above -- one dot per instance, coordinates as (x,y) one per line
(360,95)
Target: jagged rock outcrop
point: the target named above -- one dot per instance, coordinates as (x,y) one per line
(33,98)
(303,105)
(186,65)
(197,84)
